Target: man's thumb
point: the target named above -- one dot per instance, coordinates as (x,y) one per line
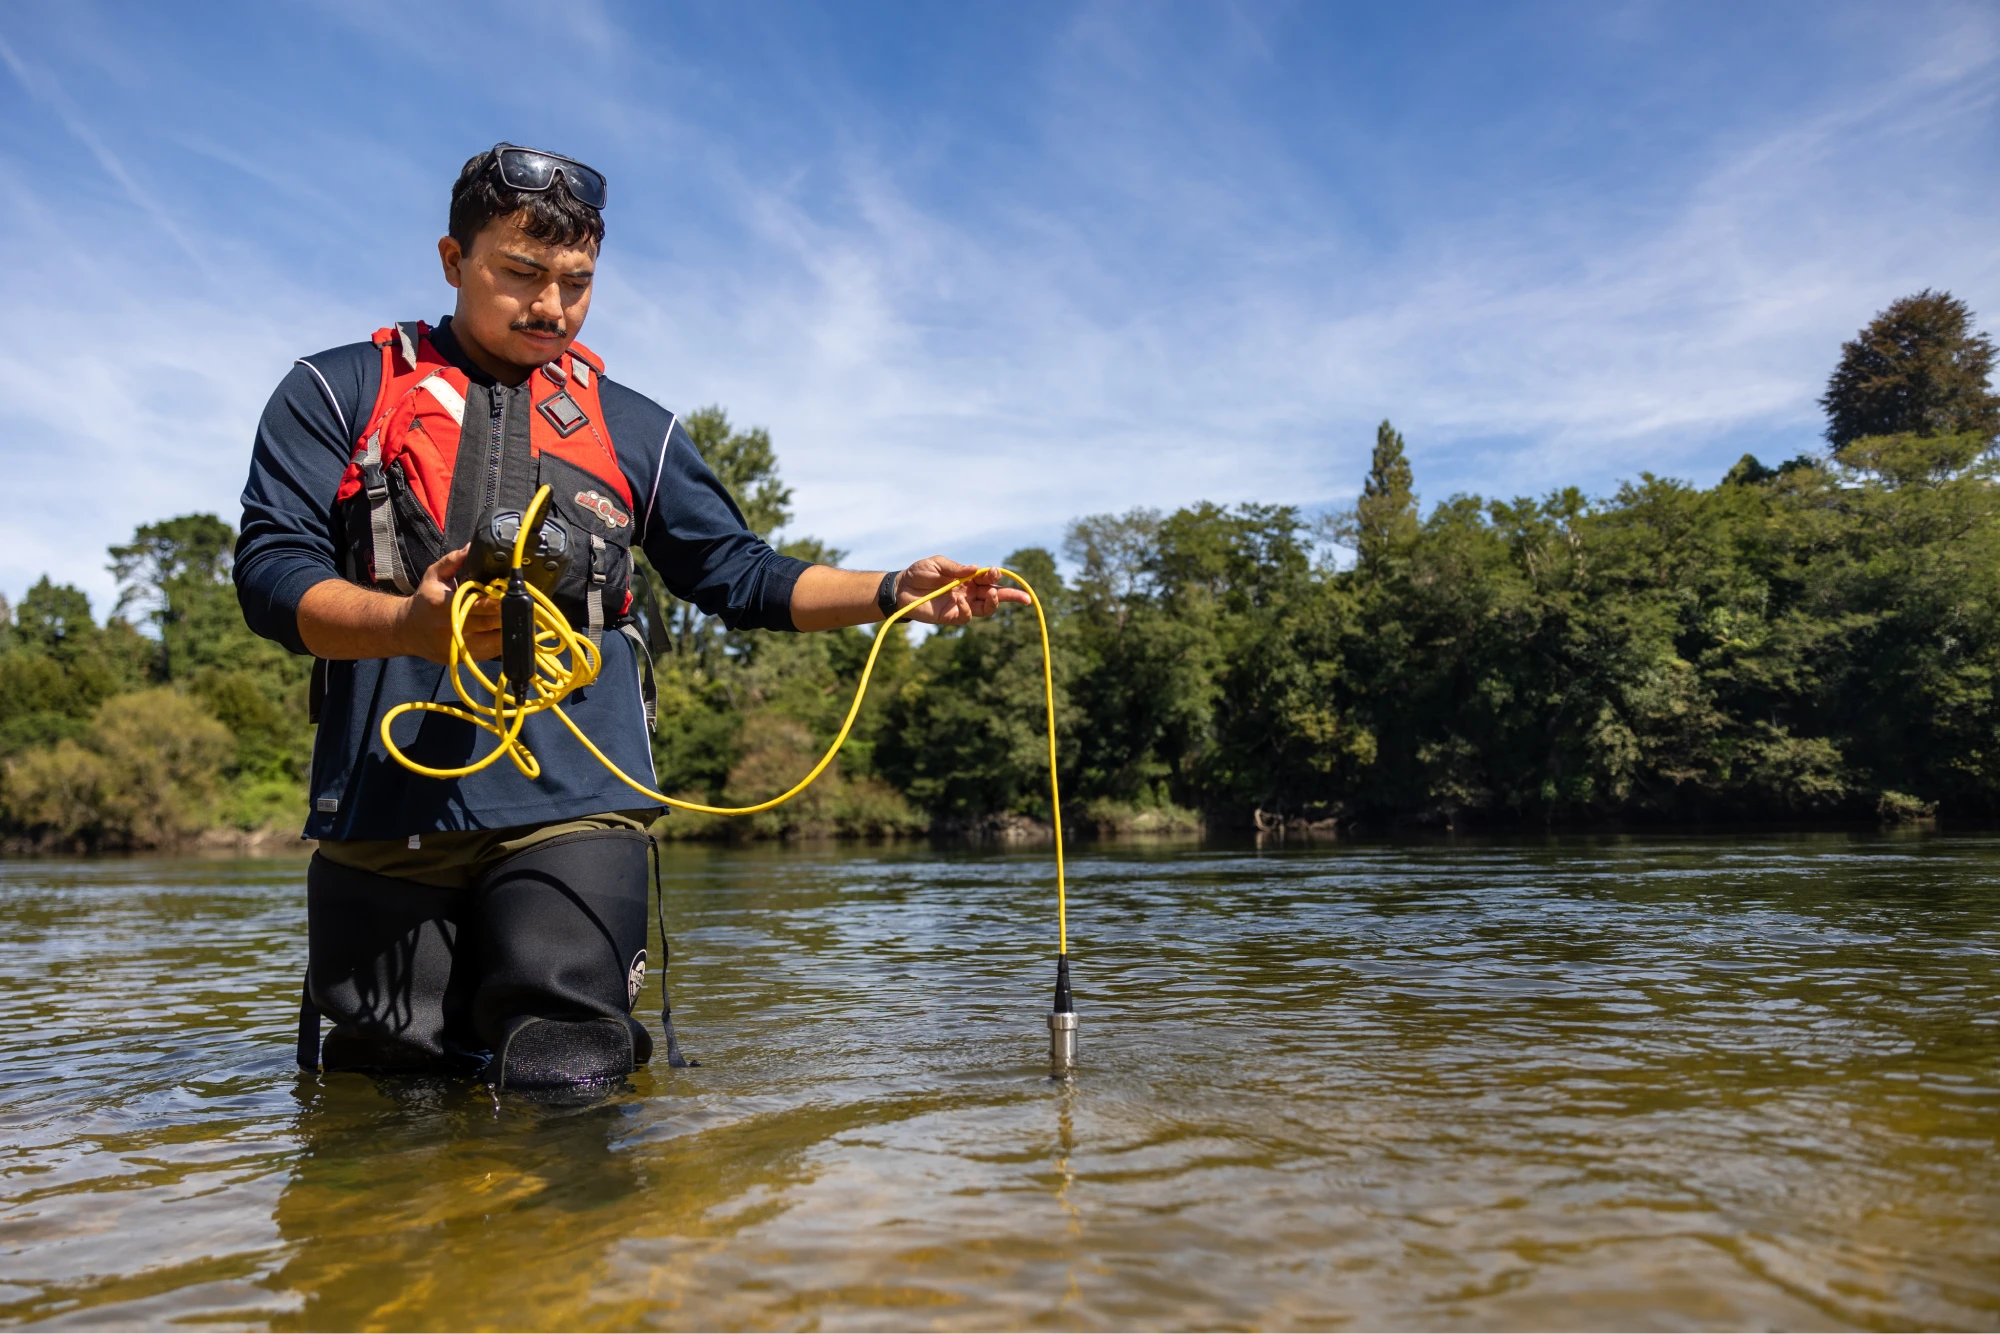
(448,565)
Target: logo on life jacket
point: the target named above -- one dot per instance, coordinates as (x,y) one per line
(603,508)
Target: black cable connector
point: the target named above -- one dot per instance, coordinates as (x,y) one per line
(1063,1003)
(517,636)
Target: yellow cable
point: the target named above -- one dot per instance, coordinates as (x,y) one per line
(555,678)
(529,522)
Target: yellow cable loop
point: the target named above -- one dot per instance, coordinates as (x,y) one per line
(555,678)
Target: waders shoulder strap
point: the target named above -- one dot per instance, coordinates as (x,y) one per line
(675,1060)
(308,1048)
(649,687)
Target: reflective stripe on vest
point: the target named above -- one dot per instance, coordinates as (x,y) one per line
(448,398)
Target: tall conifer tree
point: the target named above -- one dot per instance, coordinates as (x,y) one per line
(1386,515)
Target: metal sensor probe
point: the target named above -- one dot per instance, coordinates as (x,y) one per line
(1062,1025)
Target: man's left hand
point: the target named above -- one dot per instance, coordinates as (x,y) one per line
(981,596)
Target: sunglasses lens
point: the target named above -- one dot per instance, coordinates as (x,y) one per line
(586,185)
(525,169)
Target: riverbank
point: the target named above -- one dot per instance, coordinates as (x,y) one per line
(1020,833)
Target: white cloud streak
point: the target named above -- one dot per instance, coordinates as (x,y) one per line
(44,88)
(1143,295)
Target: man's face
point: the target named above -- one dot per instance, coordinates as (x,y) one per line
(520,301)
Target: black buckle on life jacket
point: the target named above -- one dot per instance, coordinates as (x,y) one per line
(374,479)
(562,413)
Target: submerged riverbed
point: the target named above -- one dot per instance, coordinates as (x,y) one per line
(1599,1083)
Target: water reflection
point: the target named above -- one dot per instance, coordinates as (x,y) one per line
(402,1186)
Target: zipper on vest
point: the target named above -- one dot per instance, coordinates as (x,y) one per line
(496,447)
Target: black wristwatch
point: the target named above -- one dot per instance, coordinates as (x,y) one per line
(885,596)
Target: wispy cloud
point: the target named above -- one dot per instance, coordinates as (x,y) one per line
(1071,262)
(44,88)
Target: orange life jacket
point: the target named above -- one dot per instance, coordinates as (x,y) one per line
(440,455)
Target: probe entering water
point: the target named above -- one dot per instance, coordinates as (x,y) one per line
(543,659)
(1062,1024)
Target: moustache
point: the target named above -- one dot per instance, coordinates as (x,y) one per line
(537,326)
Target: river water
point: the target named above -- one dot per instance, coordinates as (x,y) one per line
(1588,1083)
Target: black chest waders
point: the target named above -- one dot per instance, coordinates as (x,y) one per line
(529,977)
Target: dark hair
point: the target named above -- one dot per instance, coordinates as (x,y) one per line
(551,215)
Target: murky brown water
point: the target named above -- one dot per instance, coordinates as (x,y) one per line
(1588,1083)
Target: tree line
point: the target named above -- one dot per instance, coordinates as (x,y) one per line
(1817,639)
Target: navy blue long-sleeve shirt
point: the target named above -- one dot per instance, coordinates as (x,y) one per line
(688,526)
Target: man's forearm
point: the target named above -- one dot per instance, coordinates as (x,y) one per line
(344,621)
(827,599)
(339,620)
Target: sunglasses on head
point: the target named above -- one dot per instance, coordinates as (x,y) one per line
(531,169)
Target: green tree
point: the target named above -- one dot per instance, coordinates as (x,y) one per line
(1385,517)
(176,573)
(746,464)
(1142,678)
(1919,368)
(174,570)
(55,619)
(1817,639)
(147,773)
(61,666)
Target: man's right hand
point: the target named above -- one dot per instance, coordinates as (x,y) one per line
(427,615)
(340,620)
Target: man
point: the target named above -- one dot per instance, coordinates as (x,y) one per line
(493,921)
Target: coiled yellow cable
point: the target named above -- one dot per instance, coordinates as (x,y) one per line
(566,661)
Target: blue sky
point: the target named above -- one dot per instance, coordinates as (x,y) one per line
(984,269)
